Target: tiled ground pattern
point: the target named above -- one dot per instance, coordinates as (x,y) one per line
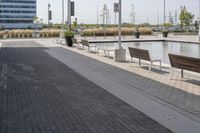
(181,93)
(39,94)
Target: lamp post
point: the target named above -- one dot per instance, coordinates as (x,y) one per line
(119,25)
(62,32)
(69,15)
(164,13)
(97,14)
(120,53)
(48,12)
(198,38)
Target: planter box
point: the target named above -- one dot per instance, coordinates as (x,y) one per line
(68,41)
(137,34)
(165,34)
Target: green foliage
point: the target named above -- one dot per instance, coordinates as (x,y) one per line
(165,31)
(29,33)
(145,25)
(185,17)
(1,28)
(55,26)
(114,31)
(69,33)
(167,25)
(37,20)
(75,24)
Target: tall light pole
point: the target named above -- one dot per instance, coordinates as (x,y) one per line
(120,53)
(198,38)
(158,22)
(69,15)
(97,14)
(199,9)
(164,13)
(120,24)
(48,13)
(62,32)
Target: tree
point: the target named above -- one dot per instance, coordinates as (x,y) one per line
(37,20)
(75,24)
(185,17)
(167,25)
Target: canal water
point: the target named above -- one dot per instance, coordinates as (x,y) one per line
(159,50)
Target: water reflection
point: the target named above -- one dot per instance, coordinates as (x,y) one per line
(160,50)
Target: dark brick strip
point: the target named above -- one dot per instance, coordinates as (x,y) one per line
(45,96)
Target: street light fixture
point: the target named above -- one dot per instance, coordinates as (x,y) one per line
(120,53)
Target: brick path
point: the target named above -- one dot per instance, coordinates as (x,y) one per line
(181,93)
(39,94)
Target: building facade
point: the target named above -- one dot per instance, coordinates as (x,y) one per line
(17,13)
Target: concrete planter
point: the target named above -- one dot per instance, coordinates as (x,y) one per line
(120,55)
(68,41)
(165,34)
(137,34)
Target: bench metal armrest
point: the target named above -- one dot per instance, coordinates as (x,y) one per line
(156,60)
(92,46)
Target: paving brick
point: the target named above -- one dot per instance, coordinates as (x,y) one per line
(45,96)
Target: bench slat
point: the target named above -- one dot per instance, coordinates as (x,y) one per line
(183,62)
(85,43)
(140,54)
(74,41)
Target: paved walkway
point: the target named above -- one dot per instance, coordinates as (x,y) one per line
(179,101)
(182,93)
(39,94)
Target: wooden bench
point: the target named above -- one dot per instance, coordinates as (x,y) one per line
(86,43)
(106,51)
(75,41)
(59,41)
(184,63)
(142,54)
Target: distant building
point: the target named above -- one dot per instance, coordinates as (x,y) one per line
(17,13)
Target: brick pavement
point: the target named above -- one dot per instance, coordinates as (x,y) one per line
(39,94)
(181,93)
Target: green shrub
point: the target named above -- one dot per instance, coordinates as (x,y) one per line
(114,31)
(28,33)
(1,34)
(68,33)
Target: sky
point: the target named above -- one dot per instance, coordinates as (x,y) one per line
(147,11)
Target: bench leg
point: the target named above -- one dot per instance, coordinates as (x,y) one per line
(105,53)
(170,75)
(108,55)
(182,73)
(131,60)
(160,65)
(139,62)
(95,49)
(151,63)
